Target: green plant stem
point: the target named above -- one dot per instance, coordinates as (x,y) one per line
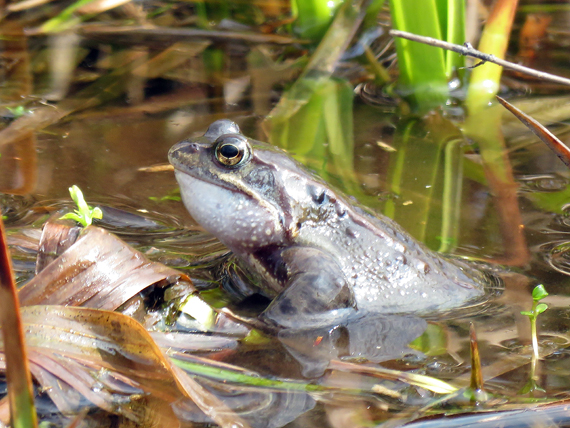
(534,337)
(532,384)
(484,81)
(484,126)
(538,293)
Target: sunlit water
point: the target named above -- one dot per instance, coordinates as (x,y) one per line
(105,152)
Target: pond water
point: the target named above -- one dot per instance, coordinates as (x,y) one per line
(107,120)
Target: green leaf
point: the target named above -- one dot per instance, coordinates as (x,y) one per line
(540,308)
(313,17)
(422,67)
(539,293)
(432,342)
(169,197)
(97,213)
(72,216)
(530,387)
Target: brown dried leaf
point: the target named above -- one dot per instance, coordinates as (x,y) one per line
(98,271)
(111,360)
(56,238)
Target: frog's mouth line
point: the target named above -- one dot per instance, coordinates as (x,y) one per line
(220,183)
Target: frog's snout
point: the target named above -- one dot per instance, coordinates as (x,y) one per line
(182,150)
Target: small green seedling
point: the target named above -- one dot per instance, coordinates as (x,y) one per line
(538,294)
(18,111)
(84,214)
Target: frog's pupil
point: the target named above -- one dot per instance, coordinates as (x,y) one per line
(229,151)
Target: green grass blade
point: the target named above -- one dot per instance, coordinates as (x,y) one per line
(451,201)
(313,17)
(454,32)
(225,373)
(422,68)
(484,81)
(65,19)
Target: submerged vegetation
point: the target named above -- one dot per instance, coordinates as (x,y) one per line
(144,319)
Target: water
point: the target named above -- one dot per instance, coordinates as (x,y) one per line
(117,126)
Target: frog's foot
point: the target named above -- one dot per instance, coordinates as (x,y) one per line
(317,295)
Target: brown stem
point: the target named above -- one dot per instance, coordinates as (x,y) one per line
(19,380)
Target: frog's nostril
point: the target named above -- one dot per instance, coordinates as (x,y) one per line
(182,150)
(190,148)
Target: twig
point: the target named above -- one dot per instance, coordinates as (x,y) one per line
(468,50)
(551,140)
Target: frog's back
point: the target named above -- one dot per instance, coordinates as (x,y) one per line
(389,271)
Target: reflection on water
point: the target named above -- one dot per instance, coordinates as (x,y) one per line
(368,337)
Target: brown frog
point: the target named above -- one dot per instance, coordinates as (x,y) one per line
(318,256)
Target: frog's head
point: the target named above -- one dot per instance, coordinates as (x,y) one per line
(238,189)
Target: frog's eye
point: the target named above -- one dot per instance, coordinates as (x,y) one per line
(232,150)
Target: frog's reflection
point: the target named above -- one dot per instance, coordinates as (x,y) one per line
(372,337)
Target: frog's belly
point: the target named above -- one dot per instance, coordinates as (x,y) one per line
(409,293)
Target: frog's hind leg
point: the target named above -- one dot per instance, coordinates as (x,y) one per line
(317,293)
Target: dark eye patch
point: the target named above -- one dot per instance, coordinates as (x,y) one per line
(229,151)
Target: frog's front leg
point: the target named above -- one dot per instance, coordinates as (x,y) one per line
(317,293)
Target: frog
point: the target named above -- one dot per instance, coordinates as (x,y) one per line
(319,256)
